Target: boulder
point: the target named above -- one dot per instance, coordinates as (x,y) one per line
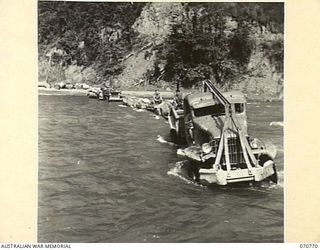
(85,86)
(44,84)
(59,85)
(69,86)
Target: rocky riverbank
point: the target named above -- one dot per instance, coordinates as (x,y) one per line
(149,93)
(82,92)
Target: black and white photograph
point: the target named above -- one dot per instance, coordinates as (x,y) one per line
(160,122)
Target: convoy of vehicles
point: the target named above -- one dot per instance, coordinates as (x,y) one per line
(213,126)
(104,93)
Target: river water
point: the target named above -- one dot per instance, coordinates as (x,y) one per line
(107,173)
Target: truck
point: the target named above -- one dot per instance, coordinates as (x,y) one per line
(214,127)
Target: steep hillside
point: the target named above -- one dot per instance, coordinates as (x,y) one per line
(264,72)
(93,37)
(237,45)
(153,27)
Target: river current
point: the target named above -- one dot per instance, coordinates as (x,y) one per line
(108,173)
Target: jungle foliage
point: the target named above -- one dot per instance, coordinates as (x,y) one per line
(203,45)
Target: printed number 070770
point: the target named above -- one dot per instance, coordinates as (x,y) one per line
(308,245)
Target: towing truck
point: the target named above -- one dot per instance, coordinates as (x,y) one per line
(214,126)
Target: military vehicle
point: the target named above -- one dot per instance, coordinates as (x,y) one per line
(214,126)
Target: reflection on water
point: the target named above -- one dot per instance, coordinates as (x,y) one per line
(105,175)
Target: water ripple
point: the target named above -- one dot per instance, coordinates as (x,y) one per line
(105,177)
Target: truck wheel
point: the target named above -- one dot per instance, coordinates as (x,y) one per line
(173,135)
(274,177)
(264,158)
(193,173)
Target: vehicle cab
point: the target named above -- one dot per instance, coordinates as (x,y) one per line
(205,116)
(215,129)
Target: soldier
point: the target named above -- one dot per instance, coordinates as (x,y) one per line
(177,100)
(157,98)
(101,94)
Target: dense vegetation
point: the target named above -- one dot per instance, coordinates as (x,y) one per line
(83,31)
(201,46)
(211,40)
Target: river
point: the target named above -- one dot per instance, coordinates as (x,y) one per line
(108,173)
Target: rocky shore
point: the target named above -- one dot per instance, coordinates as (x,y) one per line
(148,94)
(82,92)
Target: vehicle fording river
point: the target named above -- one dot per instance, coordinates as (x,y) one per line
(214,126)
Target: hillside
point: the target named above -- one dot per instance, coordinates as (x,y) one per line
(237,45)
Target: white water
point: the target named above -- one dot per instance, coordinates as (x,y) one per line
(276,124)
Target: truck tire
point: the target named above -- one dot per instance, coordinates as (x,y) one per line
(264,158)
(274,177)
(173,136)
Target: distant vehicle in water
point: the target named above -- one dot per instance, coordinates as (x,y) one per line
(93,92)
(114,96)
(214,126)
(105,94)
